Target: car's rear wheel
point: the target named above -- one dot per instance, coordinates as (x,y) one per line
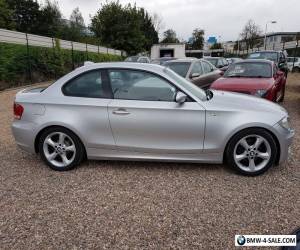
(296,69)
(60,149)
(252,152)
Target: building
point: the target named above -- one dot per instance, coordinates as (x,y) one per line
(281,37)
(273,38)
(168,50)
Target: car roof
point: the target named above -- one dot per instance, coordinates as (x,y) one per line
(186,60)
(213,57)
(133,65)
(256,61)
(263,51)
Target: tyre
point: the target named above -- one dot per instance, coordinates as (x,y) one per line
(296,69)
(60,149)
(251,152)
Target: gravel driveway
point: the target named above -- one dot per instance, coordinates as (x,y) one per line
(138,205)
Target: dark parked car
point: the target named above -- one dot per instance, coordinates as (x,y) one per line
(219,62)
(277,57)
(258,77)
(200,72)
(162,60)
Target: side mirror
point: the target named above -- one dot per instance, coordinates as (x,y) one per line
(180,97)
(281,65)
(194,75)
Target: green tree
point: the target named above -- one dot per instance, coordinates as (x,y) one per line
(250,34)
(148,29)
(197,39)
(74,29)
(6,16)
(25,14)
(170,37)
(49,20)
(123,27)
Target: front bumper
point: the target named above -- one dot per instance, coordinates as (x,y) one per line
(24,133)
(285,138)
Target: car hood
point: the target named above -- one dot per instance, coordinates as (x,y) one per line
(242,83)
(230,101)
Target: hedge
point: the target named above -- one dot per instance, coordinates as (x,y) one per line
(42,64)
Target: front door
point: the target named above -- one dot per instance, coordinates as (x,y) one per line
(145,118)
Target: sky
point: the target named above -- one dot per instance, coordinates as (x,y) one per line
(221,18)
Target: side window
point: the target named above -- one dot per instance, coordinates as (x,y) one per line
(89,84)
(196,68)
(140,85)
(206,67)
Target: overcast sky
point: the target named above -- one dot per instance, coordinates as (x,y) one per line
(220,18)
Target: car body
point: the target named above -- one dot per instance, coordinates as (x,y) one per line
(134,111)
(219,62)
(162,60)
(198,71)
(258,77)
(293,64)
(233,60)
(277,57)
(139,59)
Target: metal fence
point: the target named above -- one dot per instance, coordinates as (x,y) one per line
(14,37)
(40,57)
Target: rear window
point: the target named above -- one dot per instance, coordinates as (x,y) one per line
(132,59)
(181,68)
(249,69)
(272,56)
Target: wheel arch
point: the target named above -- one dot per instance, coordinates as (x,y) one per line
(42,130)
(255,127)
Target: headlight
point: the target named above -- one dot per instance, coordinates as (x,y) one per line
(285,123)
(261,92)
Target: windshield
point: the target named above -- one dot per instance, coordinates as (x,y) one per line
(196,91)
(181,68)
(213,61)
(249,69)
(132,59)
(272,56)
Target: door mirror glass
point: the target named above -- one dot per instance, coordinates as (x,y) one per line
(180,97)
(194,75)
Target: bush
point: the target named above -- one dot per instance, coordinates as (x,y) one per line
(43,63)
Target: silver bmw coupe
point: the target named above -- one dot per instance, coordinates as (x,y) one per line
(147,112)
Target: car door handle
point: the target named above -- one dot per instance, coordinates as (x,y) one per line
(120,111)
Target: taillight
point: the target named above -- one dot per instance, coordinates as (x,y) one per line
(18,111)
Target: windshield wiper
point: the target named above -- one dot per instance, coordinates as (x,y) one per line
(256,76)
(234,76)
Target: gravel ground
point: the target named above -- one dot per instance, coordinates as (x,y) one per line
(137,205)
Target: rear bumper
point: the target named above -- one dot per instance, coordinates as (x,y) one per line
(285,138)
(24,133)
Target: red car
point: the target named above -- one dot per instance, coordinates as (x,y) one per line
(254,77)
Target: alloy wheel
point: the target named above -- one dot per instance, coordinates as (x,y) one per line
(252,153)
(59,149)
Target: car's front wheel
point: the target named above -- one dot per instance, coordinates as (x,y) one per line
(60,148)
(252,151)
